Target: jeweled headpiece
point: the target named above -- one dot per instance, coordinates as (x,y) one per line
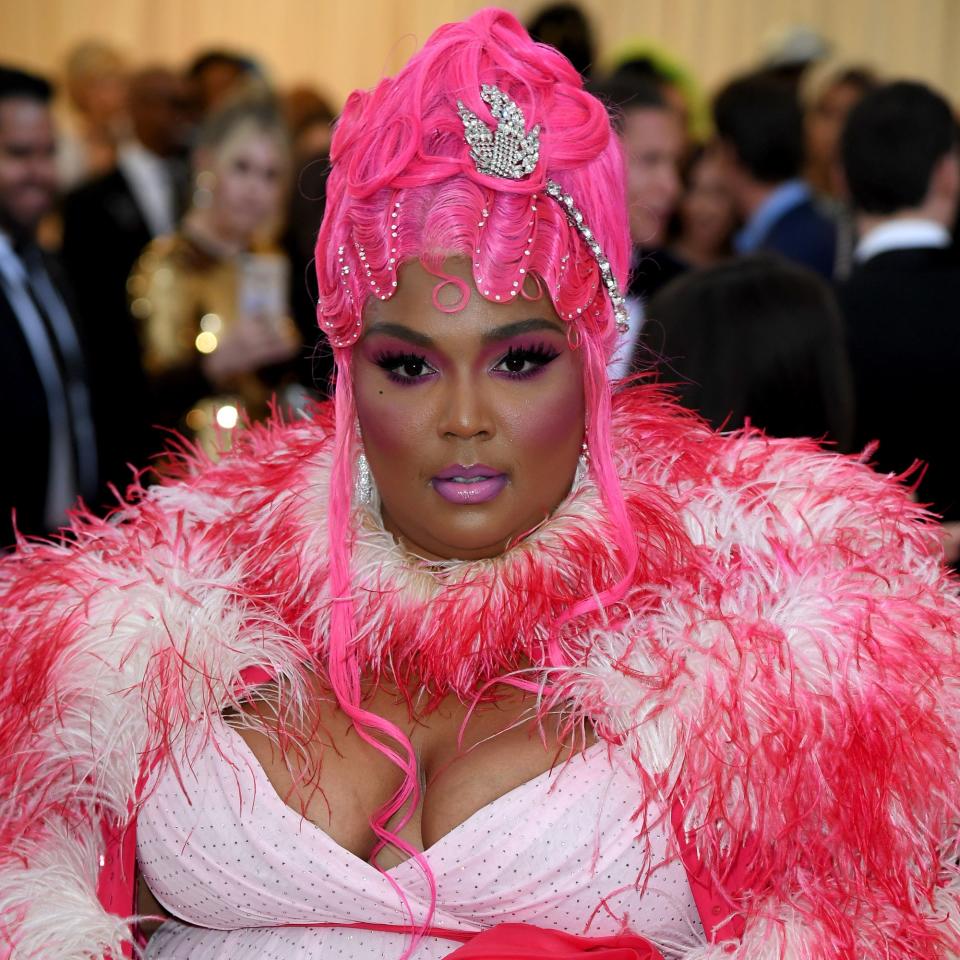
(509,152)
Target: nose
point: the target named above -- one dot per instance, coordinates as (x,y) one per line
(466,412)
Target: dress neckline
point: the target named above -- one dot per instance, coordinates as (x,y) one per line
(262,780)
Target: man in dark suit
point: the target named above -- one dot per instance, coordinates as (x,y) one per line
(49,439)
(902,300)
(106,224)
(760,140)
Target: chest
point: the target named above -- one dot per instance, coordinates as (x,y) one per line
(466,758)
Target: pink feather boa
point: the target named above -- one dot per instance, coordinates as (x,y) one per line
(785,667)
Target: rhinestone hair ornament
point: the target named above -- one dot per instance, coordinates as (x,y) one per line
(509,152)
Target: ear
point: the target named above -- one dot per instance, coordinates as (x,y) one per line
(945,179)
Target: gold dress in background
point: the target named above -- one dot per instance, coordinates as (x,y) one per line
(187,300)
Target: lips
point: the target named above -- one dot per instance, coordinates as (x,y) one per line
(469,485)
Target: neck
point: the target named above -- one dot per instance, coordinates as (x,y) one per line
(205,227)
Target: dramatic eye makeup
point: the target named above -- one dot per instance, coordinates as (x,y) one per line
(522,361)
(403,366)
(516,362)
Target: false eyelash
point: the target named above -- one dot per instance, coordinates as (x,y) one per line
(391,361)
(541,354)
(539,351)
(388,359)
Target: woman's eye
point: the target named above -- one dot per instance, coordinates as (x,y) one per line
(516,363)
(405,367)
(526,361)
(413,368)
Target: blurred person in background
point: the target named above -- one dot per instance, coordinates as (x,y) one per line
(902,300)
(212,299)
(565,27)
(759,130)
(106,225)
(833,98)
(217,76)
(652,141)
(651,64)
(310,120)
(95,78)
(309,115)
(791,52)
(706,218)
(756,340)
(48,434)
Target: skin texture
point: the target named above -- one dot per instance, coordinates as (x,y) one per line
(28,175)
(434,389)
(653,141)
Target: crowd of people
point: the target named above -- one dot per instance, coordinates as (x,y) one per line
(502,651)
(157,250)
(792,268)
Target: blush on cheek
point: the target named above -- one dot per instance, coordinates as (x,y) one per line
(550,424)
(389,427)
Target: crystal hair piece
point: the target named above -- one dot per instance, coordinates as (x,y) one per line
(511,153)
(508,152)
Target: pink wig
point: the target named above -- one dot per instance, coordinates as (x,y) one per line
(403,187)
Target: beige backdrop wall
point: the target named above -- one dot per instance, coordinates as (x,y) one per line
(342,45)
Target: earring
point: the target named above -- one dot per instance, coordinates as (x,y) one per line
(583,466)
(363,485)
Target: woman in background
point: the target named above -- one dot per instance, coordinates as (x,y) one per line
(756,340)
(826,112)
(824,116)
(212,299)
(706,218)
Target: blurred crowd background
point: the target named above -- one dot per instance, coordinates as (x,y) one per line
(793,194)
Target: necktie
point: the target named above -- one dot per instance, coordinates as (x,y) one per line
(65,345)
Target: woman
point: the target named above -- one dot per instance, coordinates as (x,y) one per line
(706,218)
(478,661)
(824,118)
(211,299)
(834,97)
(759,341)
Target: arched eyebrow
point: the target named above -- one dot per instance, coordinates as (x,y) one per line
(399,331)
(509,330)
(496,335)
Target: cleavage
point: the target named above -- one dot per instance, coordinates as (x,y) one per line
(337,781)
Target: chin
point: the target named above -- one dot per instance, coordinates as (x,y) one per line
(473,538)
(470,544)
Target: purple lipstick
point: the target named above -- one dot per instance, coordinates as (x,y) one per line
(469,485)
